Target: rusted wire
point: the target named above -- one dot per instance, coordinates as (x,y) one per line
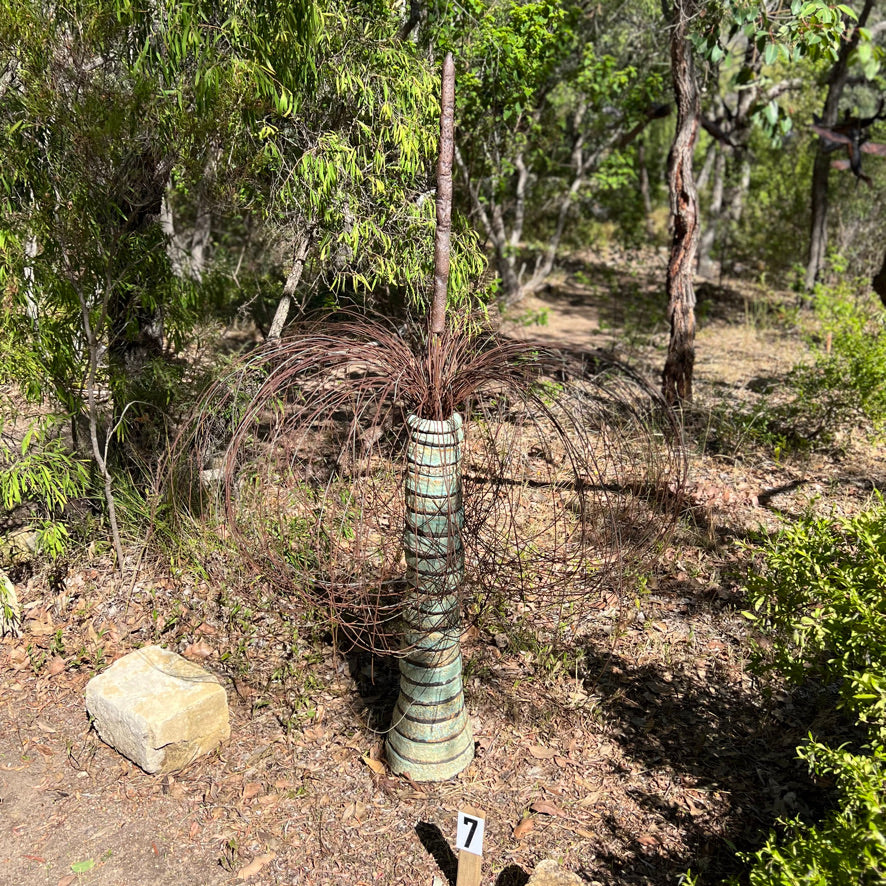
(572,468)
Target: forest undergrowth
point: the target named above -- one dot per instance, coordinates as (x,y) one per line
(633,740)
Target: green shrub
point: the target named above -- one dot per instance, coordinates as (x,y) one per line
(849,848)
(842,386)
(41,471)
(846,381)
(821,597)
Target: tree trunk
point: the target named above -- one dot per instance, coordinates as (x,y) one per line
(738,194)
(99,454)
(734,201)
(443,231)
(677,374)
(818,226)
(300,254)
(714,216)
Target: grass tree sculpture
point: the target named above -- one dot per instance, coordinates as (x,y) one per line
(431,736)
(401,481)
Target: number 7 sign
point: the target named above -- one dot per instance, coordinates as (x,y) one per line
(469,832)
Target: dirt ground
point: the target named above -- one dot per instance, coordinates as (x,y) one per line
(648,752)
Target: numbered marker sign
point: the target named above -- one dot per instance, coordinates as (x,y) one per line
(469,833)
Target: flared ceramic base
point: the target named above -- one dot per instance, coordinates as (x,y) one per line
(431,760)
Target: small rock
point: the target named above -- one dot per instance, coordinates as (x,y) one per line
(158,709)
(548,873)
(20,544)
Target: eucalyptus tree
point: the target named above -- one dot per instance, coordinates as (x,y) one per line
(747,87)
(551,95)
(678,369)
(157,153)
(764,74)
(345,181)
(858,48)
(104,105)
(784,31)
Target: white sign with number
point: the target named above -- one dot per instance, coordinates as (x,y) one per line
(469,833)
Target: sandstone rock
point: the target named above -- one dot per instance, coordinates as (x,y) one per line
(548,873)
(158,709)
(20,544)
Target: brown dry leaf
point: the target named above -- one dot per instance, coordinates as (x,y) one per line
(55,665)
(255,866)
(375,765)
(523,828)
(40,626)
(197,651)
(251,789)
(206,629)
(545,808)
(590,800)
(541,753)
(649,840)
(588,835)
(244,690)
(693,809)
(66,881)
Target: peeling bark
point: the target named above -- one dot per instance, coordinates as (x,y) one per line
(443,233)
(678,369)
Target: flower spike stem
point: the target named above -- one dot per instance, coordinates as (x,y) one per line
(444,197)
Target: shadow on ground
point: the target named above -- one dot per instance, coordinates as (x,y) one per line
(716,737)
(377,679)
(438,848)
(633,300)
